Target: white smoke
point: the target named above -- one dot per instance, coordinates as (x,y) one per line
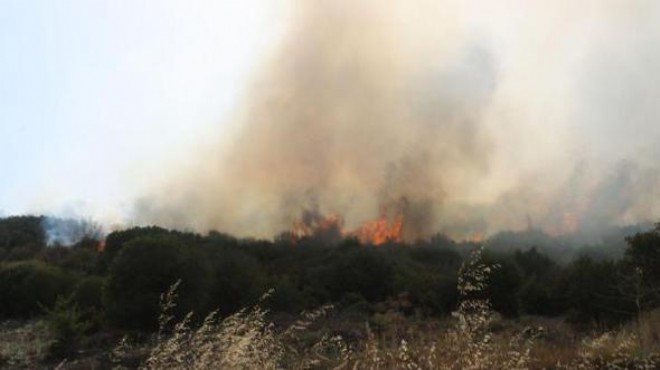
(481,115)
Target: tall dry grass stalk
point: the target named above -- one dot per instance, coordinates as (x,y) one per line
(247,340)
(244,340)
(467,344)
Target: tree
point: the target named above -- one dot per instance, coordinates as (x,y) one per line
(640,275)
(590,292)
(644,252)
(539,276)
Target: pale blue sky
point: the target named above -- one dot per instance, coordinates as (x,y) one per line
(95,95)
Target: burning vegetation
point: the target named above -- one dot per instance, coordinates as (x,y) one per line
(354,107)
(388,228)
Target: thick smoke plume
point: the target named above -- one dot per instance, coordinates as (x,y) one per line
(468,117)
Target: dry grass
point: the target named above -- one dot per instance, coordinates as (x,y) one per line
(246,340)
(468,343)
(475,337)
(647,329)
(24,345)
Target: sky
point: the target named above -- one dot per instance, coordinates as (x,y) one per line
(477,115)
(95,96)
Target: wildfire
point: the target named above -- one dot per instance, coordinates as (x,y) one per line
(315,224)
(477,237)
(381,230)
(386,228)
(100,247)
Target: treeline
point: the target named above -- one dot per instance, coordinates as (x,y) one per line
(117,284)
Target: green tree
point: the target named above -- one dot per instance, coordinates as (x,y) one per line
(539,279)
(591,295)
(644,252)
(640,273)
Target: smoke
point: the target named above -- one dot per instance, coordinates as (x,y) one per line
(467,116)
(69,231)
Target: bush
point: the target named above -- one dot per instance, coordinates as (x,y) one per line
(23,233)
(88,293)
(237,279)
(590,292)
(116,240)
(68,325)
(286,296)
(502,290)
(27,287)
(143,269)
(365,271)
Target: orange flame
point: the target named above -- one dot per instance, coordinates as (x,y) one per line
(477,237)
(381,230)
(376,232)
(301,229)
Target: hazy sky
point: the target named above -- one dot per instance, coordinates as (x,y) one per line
(96,95)
(122,110)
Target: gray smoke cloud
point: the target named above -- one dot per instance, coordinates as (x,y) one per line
(470,117)
(69,231)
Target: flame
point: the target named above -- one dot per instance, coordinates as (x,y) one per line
(477,237)
(318,225)
(570,220)
(382,230)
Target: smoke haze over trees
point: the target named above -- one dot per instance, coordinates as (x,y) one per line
(475,120)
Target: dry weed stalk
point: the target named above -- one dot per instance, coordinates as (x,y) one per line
(246,340)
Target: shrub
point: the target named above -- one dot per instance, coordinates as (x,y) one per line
(365,271)
(21,232)
(88,293)
(68,324)
(146,267)
(503,287)
(27,287)
(116,240)
(286,297)
(237,279)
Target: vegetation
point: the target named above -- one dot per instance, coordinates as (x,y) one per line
(417,300)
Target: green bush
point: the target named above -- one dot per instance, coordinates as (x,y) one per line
(88,293)
(23,233)
(68,325)
(146,267)
(237,279)
(286,295)
(503,285)
(27,287)
(366,271)
(591,295)
(117,240)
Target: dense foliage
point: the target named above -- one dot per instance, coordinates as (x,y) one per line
(122,282)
